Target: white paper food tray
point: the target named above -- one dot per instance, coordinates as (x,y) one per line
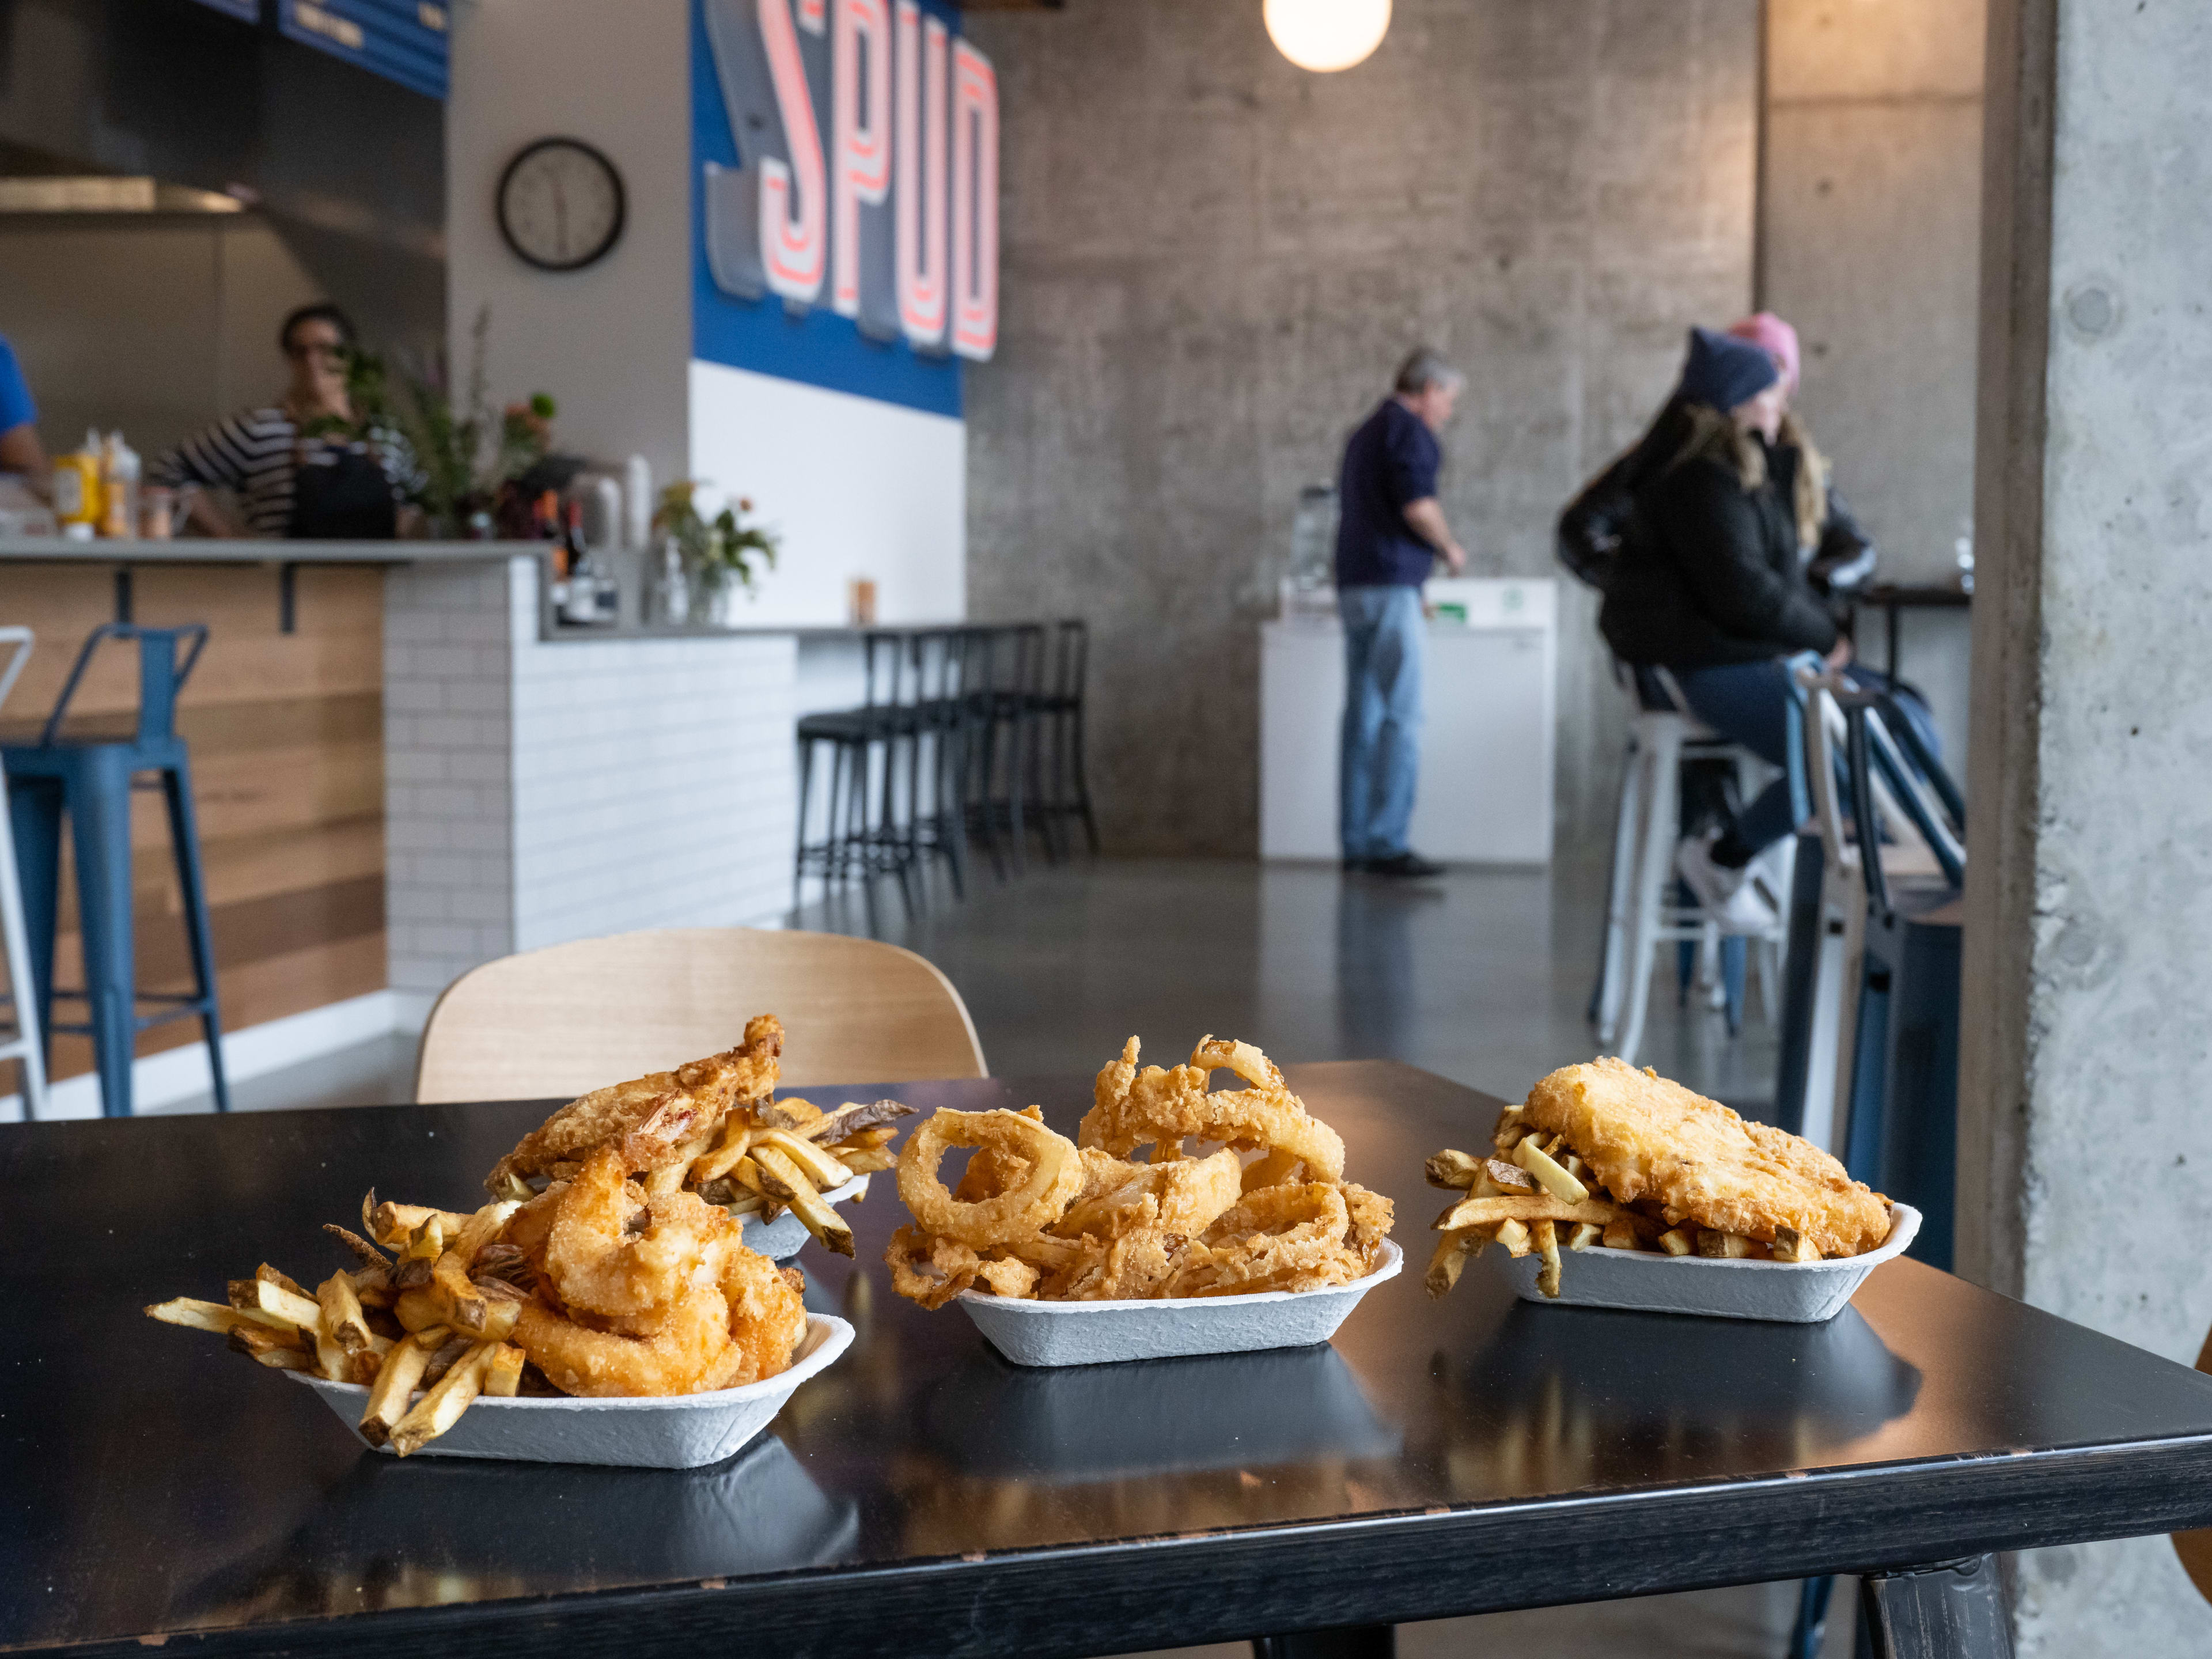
(784,1237)
(679,1432)
(1790,1292)
(1031,1333)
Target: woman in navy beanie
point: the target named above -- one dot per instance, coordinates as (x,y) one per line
(1709,584)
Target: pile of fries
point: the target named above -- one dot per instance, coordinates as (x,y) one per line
(428,1321)
(786,1154)
(1532,1185)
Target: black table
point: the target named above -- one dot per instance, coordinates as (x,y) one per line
(1892,597)
(923,1497)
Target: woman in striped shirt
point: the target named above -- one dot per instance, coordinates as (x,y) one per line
(325,487)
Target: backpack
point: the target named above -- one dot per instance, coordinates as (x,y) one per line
(1593,525)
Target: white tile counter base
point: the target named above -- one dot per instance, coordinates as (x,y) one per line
(538,792)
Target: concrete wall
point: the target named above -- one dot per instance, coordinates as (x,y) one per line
(1869,242)
(1212,262)
(2089,899)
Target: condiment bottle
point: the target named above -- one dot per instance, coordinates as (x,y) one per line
(77,489)
(118,491)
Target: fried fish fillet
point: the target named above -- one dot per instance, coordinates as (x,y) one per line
(649,1117)
(1644,1137)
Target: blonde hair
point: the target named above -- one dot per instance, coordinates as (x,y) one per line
(1714,436)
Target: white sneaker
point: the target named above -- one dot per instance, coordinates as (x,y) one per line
(1727,896)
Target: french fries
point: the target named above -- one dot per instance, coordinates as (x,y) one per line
(394,1386)
(750,1167)
(455,1319)
(1531,1185)
(780,1173)
(441,1407)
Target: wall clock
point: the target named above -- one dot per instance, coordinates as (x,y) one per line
(560,204)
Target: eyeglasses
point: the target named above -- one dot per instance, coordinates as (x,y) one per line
(326,348)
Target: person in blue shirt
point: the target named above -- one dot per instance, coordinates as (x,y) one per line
(1390,533)
(19,450)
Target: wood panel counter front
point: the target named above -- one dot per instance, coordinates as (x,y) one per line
(404,770)
(288,766)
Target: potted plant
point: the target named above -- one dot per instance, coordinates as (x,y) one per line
(478,477)
(719,554)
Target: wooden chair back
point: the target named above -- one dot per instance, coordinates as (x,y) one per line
(568,1019)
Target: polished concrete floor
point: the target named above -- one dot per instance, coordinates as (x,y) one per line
(1483,975)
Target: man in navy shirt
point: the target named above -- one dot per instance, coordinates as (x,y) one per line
(19,438)
(1391,532)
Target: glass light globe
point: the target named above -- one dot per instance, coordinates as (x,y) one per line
(1326,35)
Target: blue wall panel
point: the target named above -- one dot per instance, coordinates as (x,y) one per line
(816,347)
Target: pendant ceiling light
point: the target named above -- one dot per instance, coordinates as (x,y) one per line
(1326,35)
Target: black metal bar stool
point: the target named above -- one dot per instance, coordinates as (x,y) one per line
(860,840)
(1007,679)
(1066,794)
(934,731)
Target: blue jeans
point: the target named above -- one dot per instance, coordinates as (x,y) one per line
(1381,753)
(1749,703)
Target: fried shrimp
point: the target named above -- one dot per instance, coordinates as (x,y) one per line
(657,1296)
(682,1357)
(766,1317)
(598,1258)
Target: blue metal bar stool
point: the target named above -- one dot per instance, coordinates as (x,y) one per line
(89,777)
(25,1047)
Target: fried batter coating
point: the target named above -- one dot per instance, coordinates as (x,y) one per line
(681,1357)
(1034,1215)
(1166,1107)
(647,1297)
(1185,1196)
(1644,1137)
(598,1263)
(648,1118)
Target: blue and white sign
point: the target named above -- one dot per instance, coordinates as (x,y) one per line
(846,184)
(402,40)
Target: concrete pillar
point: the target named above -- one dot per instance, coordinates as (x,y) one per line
(2085,1147)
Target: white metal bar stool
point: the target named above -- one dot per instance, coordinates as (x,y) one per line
(24,1047)
(1640,919)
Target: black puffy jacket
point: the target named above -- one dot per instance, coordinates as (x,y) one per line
(1592,526)
(1707,571)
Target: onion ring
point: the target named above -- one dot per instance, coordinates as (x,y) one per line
(1053,1177)
(1275,1234)
(1187,1195)
(1167,1107)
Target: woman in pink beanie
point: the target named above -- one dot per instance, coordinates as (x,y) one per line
(1763,328)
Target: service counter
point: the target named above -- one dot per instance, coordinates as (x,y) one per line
(404,769)
(1488,737)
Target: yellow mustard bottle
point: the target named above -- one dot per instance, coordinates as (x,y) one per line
(77,499)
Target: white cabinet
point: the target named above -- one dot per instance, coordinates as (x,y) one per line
(1487,743)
